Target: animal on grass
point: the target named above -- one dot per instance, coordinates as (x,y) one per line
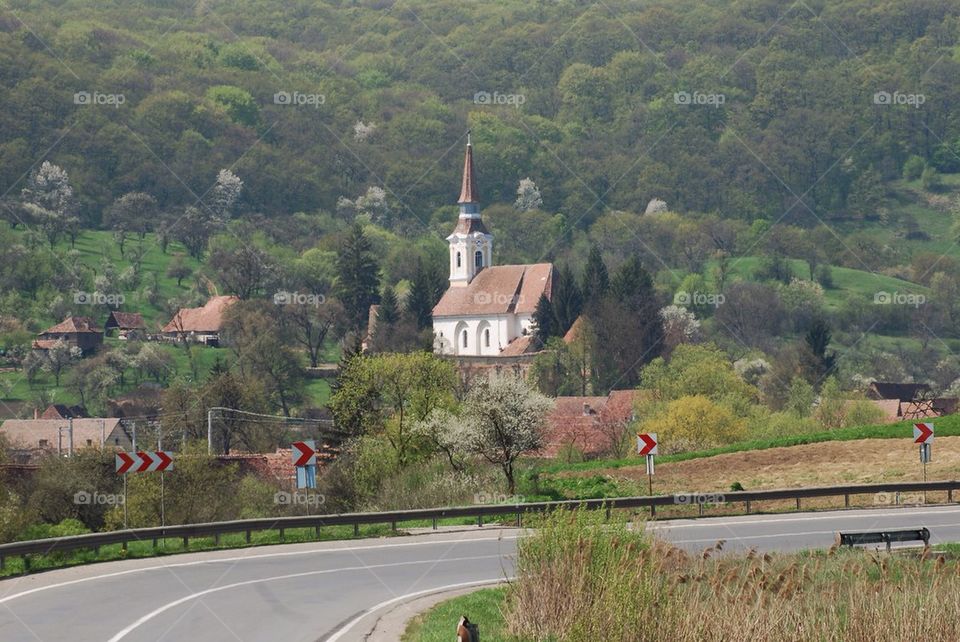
(467,630)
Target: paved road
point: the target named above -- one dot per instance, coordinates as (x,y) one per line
(312,591)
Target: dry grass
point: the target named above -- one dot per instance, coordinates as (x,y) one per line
(861,461)
(580,580)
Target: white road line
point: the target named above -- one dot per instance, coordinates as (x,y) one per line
(166,607)
(449,587)
(246,558)
(715,521)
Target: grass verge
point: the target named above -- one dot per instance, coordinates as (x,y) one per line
(439,624)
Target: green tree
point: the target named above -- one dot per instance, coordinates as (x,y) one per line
(358,278)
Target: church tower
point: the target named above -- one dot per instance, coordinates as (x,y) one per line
(471,245)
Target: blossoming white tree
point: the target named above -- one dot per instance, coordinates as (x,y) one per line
(503,418)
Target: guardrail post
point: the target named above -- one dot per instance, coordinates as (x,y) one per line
(434,523)
(123,545)
(608,512)
(186,542)
(317,531)
(393,526)
(356,529)
(216,539)
(281,534)
(846,500)
(26,563)
(700,508)
(653,511)
(248,536)
(479,520)
(1,562)
(950,496)
(154,543)
(798,503)
(747,506)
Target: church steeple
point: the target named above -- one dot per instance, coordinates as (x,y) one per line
(471,245)
(468,189)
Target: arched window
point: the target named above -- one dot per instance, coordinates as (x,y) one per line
(478,259)
(464,338)
(486,337)
(458,259)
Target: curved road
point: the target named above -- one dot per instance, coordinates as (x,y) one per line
(335,590)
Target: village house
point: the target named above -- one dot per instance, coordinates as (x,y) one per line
(29,437)
(126,325)
(589,426)
(61,411)
(79,332)
(199,325)
(487,311)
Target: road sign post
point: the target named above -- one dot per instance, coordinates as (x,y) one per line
(143,462)
(304,455)
(648,445)
(923,435)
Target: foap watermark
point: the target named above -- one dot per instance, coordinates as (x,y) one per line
(486,298)
(84,498)
(283,498)
(685,298)
(298,99)
(98,298)
(698,98)
(698,498)
(97,98)
(496,98)
(899,298)
(298,298)
(497,498)
(897,98)
(896,499)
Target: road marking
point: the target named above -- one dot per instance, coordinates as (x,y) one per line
(166,607)
(449,587)
(245,558)
(715,521)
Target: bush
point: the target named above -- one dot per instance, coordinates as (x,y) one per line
(913,168)
(693,423)
(930,180)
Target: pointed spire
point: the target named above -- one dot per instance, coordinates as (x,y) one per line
(468,190)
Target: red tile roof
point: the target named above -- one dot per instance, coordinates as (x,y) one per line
(127,320)
(587,423)
(74,325)
(208,318)
(500,289)
(520,345)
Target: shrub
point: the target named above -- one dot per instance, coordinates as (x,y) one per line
(695,422)
(913,168)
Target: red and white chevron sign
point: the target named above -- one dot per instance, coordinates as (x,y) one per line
(922,433)
(647,443)
(144,462)
(304,453)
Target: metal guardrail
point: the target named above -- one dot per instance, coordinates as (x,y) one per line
(885,537)
(216,529)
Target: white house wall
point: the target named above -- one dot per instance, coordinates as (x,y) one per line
(503,329)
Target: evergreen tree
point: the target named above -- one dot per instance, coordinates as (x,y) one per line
(421,300)
(389,311)
(358,279)
(818,339)
(596,280)
(543,320)
(566,300)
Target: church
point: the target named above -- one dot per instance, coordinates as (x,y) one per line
(487,310)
